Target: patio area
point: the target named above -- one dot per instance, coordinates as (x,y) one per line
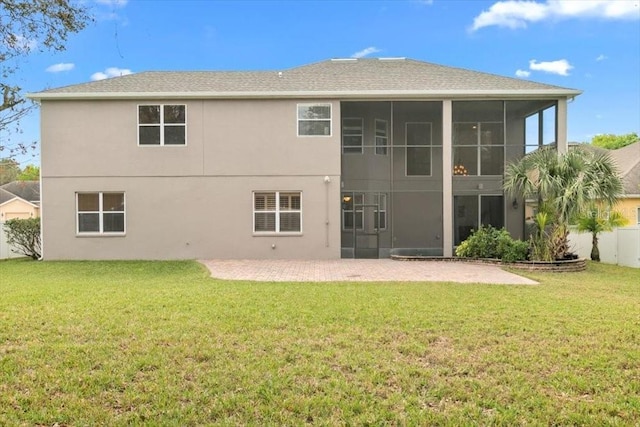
(361,270)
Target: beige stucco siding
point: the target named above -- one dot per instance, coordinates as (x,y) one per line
(192,217)
(99,138)
(192,201)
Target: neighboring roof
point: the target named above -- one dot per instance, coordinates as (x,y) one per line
(5,196)
(27,190)
(628,161)
(344,78)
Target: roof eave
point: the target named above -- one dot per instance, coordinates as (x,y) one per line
(378,94)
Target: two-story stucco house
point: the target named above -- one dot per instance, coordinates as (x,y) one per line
(342,158)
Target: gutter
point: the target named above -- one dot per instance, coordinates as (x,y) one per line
(377,94)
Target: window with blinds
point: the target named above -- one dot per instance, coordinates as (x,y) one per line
(277,212)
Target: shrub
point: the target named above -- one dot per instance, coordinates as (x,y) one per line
(24,236)
(489,242)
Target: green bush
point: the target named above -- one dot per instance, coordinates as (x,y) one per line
(490,242)
(24,236)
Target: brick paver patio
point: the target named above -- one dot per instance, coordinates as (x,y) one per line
(361,270)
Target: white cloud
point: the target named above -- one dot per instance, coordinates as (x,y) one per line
(601,57)
(517,13)
(63,66)
(365,52)
(21,43)
(110,72)
(523,74)
(113,3)
(560,67)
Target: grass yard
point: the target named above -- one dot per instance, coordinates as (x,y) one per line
(160,343)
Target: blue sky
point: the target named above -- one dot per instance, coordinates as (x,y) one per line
(589,45)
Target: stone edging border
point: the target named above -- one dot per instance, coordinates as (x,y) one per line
(553,266)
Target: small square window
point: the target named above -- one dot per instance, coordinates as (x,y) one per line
(100,213)
(277,212)
(162,125)
(314,119)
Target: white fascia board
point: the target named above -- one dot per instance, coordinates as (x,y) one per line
(378,94)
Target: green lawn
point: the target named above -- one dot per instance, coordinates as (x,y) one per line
(160,343)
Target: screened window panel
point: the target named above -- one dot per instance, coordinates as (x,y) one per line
(265,201)
(113,201)
(418,134)
(88,222)
(265,221)
(382,136)
(290,221)
(289,201)
(314,112)
(348,218)
(149,135)
(113,222)
(491,134)
(174,135)
(492,211)
(380,221)
(465,134)
(352,144)
(492,160)
(89,202)
(174,114)
(314,128)
(418,161)
(149,114)
(465,161)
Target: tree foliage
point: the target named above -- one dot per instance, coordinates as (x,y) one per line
(566,186)
(24,236)
(9,170)
(613,142)
(29,173)
(30,26)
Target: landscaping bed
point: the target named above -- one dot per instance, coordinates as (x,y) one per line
(561,266)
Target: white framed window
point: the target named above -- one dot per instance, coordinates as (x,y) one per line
(382,136)
(352,135)
(352,211)
(638,214)
(100,213)
(162,125)
(314,119)
(418,148)
(277,212)
(380,221)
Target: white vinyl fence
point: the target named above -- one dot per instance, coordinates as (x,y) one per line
(5,249)
(620,246)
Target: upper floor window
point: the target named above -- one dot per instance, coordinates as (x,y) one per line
(277,212)
(352,135)
(382,136)
(100,213)
(314,119)
(162,125)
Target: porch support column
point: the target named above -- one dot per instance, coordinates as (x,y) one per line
(561,126)
(447,179)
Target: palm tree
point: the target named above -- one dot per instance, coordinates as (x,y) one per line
(593,223)
(565,185)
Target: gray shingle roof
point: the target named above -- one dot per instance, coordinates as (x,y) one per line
(339,78)
(27,190)
(628,161)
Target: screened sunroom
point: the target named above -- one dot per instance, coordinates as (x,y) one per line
(419,176)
